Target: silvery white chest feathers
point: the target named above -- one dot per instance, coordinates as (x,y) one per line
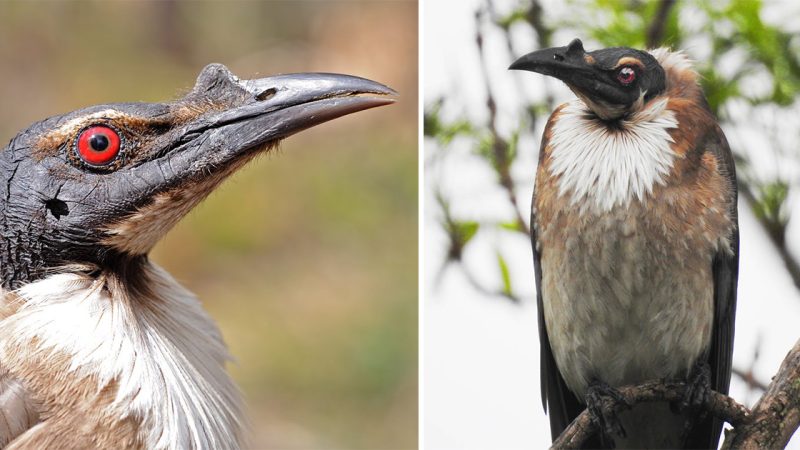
(100,348)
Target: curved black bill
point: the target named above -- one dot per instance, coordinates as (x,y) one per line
(273,108)
(565,63)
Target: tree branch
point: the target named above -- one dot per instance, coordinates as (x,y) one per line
(776,416)
(583,427)
(770,424)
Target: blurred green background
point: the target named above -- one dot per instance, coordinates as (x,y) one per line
(308,257)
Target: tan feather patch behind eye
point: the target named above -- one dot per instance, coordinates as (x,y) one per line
(51,143)
(629,61)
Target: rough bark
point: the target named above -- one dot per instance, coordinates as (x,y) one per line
(776,416)
(583,427)
(770,424)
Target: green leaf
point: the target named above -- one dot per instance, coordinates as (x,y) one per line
(768,46)
(512,146)
(517,15)
(539,109)
(505,274)
(465,231)
(717,89)
(433,125)
(770,204)
(626,25)
(512,226)
(485,147)
(451,130)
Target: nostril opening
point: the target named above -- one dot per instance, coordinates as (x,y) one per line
(57,208)
(266,95)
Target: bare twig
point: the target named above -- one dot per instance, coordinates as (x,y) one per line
(456,244)
(486,291)
(500,152)
(748,377)
(720,405)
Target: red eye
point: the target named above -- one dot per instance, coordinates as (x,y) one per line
(98,145)
(626,75)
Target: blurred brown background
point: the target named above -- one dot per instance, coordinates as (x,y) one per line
(308,257)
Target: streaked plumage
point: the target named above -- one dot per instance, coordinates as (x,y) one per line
(635,238)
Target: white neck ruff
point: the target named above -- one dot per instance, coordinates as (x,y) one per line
(603,167)
(164,352)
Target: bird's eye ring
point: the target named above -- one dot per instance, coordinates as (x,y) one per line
(98,145)
(626,75)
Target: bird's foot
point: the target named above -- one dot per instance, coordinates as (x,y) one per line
(698,387)
(603,401)
(698,393)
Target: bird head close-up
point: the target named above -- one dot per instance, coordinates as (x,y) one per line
(101,185)
(102,348)
(612,82)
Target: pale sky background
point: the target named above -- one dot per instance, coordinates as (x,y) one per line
(480,366)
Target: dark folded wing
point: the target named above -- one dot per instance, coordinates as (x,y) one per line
(725,270)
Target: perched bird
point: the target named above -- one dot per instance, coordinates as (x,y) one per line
(635,238)
(99,347)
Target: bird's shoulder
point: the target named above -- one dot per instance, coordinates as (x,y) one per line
(703,178)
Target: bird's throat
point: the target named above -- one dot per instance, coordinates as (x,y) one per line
(607,166)
(146,358)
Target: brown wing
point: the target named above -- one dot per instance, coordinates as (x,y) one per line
(725,270)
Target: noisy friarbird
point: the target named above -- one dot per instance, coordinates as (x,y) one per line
(635,239)
(99,347)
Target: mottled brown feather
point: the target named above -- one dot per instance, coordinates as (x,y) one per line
(76,412)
